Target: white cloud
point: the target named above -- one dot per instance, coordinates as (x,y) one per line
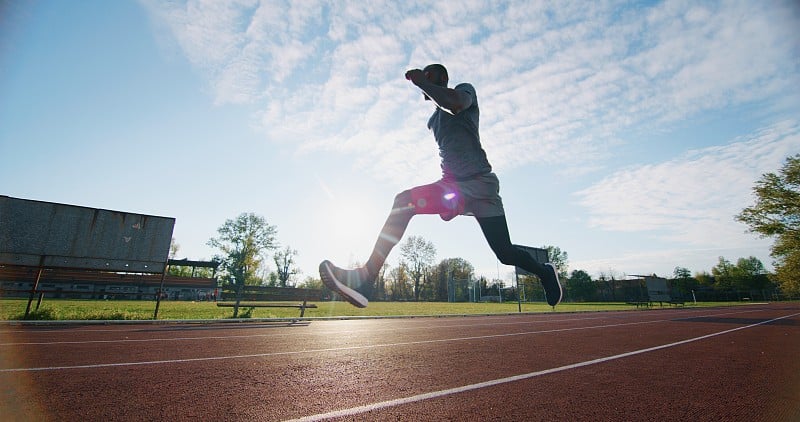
(558,82)
(692,199)
(241,46)
(663,262)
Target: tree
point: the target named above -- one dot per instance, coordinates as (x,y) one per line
(497,285)
(269,278)
(681,273)
(186,271)
(724,273)
(311,283)
(483,285)
(558,258)
(776,214)
(754,273)
(609,281)
(284,261)
(243,243)
(682,280)
(400,283)
(704,279)
(786,274)
(450,276)
(175,270)
(174,247)
(532,287)
(420,254)
(378,291)
(580,286)
(748,274)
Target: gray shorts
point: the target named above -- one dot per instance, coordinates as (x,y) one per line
(478,196)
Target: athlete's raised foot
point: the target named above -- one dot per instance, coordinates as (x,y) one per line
(338,279)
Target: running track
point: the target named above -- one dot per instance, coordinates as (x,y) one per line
(737,363)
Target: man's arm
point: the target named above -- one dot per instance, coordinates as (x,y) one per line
(448,99)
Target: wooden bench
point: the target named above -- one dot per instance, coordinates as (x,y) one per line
(655,289)
(663,298)
(677,302)
(638,302)
(302,306)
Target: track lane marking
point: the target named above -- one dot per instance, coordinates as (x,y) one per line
(336,333)
(463,318)
(353,411)
(336,349)
(339,332)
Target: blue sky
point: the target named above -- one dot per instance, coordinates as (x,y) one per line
(629,134)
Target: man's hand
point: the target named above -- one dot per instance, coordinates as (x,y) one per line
(447,99)
(416,76)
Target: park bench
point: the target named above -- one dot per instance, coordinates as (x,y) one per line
(47,235)
(86,284)
(638,301)
(663,298)
(656,290)
(252,297)
(302,306)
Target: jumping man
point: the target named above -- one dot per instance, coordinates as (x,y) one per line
(467,187)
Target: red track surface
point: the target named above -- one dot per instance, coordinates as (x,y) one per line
(736,363)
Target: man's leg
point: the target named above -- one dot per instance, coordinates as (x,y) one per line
(495,229)
(426,199)
(391,232)
(435,198)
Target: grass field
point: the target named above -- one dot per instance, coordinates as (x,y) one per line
(64,309)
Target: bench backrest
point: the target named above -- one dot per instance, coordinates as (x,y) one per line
(51,235)
(657,289)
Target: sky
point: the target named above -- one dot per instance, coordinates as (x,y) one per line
(628,134)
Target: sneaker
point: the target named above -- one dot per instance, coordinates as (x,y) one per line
(552,287)
(338,280)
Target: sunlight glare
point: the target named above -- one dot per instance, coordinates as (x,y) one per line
(350,222)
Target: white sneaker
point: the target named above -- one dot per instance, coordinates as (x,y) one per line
(334,278)
(552,287)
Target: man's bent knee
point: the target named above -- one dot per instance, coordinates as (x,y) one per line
(508,255)
(403,202)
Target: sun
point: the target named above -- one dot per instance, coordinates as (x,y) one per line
(354,223)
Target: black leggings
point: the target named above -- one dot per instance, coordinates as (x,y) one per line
(495,229)
(405,206)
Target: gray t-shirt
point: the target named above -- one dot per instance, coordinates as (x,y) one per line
(459,141)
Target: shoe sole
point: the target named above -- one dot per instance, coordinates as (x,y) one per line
(353,297)
(558,283)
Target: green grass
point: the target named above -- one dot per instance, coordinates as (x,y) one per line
(65,309)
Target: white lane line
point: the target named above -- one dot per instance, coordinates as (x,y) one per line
(353,411)
(327,333)
(332,349)
(331,333)
(134,340)
(524,319)
(326,350)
